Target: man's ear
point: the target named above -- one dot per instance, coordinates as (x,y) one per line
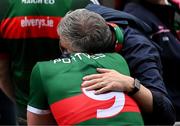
(67,46)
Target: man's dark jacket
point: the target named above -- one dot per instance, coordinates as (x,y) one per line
(163,35)
(144,62)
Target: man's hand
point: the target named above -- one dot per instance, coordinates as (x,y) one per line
(111,80)
(108,80)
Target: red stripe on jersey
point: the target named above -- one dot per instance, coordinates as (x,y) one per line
(81,108)
(30,27)
(130,105)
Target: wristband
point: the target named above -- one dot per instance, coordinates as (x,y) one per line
(136,87)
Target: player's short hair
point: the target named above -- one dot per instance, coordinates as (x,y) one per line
(87,31)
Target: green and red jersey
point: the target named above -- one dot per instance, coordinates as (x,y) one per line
(28,34)
(56,87)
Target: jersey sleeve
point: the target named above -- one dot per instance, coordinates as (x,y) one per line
(37,100)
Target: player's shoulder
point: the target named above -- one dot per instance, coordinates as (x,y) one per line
(48,68)
(115,56)
(47,64)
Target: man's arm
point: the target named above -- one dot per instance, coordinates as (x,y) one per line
(37,119)
(38,112)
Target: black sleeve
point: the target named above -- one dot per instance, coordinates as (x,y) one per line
(144,61)
(164,112)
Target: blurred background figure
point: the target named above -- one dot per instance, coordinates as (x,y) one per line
(7,102)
